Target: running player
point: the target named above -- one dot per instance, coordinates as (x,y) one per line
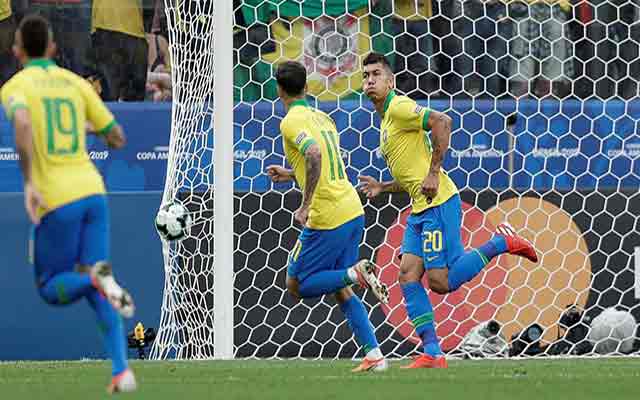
(432,240)
(64,193)
(325,257)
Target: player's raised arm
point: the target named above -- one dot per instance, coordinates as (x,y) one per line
(372,188)
(24,141)
(16,108)
(115,137)
(279,174)
(101,119)
(296,137)
(313,169)
(440,126)
(24,146)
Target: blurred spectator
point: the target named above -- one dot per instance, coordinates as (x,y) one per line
(19,8)
(159,23)
(120,46)
(493,32)
(8,63)
(413,45)
(474,46)
(608,30)
(159,73)
(71,25)
(541,48)
(452,63)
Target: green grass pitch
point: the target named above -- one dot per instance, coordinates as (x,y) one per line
(581,379)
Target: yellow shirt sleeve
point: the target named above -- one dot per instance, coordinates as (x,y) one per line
(97,112)
(13,98)
(410,114)
(295,136)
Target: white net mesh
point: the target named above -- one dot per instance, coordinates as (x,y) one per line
(186,326)
(543,99)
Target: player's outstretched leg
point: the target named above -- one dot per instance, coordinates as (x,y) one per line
(420,312)
(112,330)
(506,240)
(119,298)
(66,288)
(363,273)
(358,321)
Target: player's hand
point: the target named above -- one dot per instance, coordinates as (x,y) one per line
(279,174)
(430,185)
(301,215)
(369,186)
(32,202)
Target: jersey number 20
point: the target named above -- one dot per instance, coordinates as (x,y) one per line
(55,109)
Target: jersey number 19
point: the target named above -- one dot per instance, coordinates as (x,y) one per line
(57,130)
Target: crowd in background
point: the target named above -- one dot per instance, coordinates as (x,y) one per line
(120,46)
(471,48)
(439,49)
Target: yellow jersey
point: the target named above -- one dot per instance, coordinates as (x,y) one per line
(412,9)
(335,201)
(565,5)
(5,9)
(59,103)
(406,148)
(124,16)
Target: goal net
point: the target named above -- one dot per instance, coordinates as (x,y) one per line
(543,96)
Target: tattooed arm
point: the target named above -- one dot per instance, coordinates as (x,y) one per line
(371,187)
(391,186)
(313,168)
(440,125)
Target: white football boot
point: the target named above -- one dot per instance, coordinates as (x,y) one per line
(123,383)
(119,298)
(367,279)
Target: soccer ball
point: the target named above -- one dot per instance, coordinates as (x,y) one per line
(613,331)
(173,221)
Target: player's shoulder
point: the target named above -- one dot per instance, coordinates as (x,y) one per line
(72,77)
(399,101)
(401,106)
(19,79)
(294,118)
(323,115)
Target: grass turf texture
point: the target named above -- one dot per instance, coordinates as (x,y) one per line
(186,380)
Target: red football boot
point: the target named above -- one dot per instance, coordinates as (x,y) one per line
(427,361)
(516,244)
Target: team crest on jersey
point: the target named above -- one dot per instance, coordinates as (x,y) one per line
(301,137)
(418,109)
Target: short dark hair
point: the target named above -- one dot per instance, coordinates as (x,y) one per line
(35,31)
(292,77)
(374,58)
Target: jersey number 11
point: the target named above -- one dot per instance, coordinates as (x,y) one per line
(335,160)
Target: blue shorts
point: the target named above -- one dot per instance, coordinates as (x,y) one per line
(74,234)
(434,234)
(321,250)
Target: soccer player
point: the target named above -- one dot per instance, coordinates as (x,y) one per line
(64,193)
(432,240)
(325,257)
